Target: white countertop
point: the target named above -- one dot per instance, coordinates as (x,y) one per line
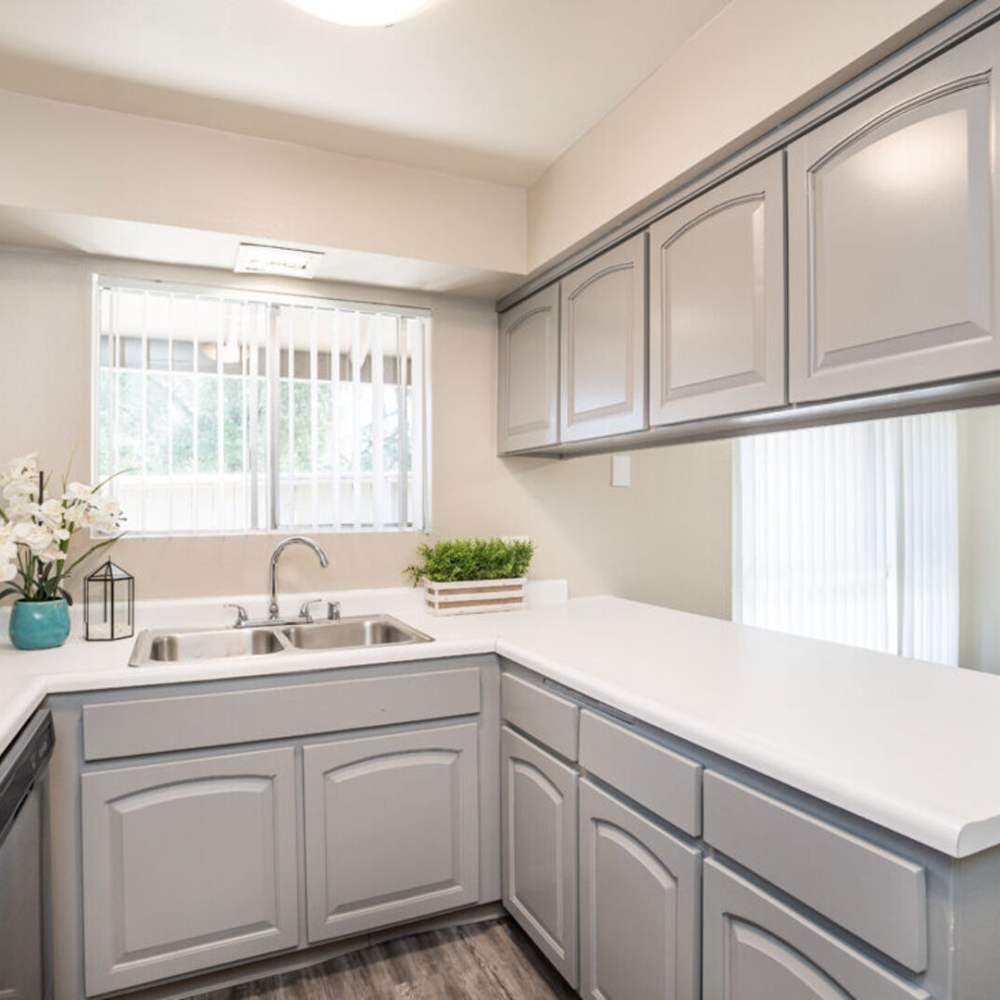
(913,746)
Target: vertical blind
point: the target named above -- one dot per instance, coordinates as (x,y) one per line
(850,533)
(225,411)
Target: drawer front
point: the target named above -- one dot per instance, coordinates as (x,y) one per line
(659,779)
(545,716)
(876,895)
(755,946)
(156,725)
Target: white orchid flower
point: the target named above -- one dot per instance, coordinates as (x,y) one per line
(25,467)
(36,537)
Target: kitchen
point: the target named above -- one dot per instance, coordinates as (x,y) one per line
(682,375)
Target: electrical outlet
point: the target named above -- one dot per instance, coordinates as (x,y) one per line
(621,470)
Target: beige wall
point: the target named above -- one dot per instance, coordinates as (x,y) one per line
(92,162)
(666,539)
(752,66)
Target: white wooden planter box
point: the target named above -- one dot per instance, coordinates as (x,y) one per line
(470,597)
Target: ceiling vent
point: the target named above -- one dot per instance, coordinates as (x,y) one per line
(254,258)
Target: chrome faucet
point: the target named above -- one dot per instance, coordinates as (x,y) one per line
(305,616)
(272,609)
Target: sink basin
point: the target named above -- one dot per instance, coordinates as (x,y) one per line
(345,633)
(378,630)
(172,647)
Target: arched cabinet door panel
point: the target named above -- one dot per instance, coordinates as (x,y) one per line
(603,344)
(392,828)
(639,905)
(539,842)
(894,229)
(717,300)
(528,392)
(188,865)
(756,948)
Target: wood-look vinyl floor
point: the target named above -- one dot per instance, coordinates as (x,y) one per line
(487,961)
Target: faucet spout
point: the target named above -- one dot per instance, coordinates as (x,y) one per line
(272,610)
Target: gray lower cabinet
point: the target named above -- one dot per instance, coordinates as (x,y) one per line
(717,300)
(756,948)
(528,386)
(640,905)
(391,828)
(603,345)
(539,843)
(188,865)
(894,229)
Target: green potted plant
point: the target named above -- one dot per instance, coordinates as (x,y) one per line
(35,534)
(470,575)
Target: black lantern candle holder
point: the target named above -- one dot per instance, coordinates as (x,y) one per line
(109,604)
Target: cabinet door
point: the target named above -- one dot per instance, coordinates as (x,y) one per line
(717,300)
(756,948)
(539,817)
(188,865)
(528,388)
(639,905)
(392,828)
(603,343)
(893,233)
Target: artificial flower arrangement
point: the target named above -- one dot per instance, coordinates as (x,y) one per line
(36,529)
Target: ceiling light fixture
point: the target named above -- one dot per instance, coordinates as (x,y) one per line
(363,13)
(253,258)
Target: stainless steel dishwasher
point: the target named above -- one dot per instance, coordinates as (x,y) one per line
(24,956)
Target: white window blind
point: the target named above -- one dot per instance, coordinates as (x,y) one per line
(850,533)
(225,411)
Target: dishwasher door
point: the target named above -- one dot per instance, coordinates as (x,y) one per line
(21,928)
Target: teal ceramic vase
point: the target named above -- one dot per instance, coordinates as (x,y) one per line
(39,624)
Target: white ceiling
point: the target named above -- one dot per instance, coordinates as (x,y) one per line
(495,89)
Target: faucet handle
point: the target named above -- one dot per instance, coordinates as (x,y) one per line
(332,609)
(241,614)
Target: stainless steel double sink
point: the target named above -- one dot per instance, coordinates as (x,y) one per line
(180,646)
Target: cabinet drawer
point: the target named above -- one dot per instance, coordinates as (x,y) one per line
(876,895)
(755,946)
(547,717)
(156,725)
(659,779)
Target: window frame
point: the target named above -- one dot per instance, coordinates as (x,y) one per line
(272,474)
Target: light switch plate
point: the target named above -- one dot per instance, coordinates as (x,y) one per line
(621,470)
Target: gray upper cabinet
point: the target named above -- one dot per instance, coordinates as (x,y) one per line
(528,387)
(539,842)
(188,865)
(603,344)
(893,230)
(756,948)
(392,828)
(639,905)
(717,300)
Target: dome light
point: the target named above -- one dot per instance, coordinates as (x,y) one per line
(363,13)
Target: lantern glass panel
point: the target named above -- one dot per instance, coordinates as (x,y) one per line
(109,603)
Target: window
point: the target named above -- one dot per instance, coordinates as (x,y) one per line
(851,533)
(227,411)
